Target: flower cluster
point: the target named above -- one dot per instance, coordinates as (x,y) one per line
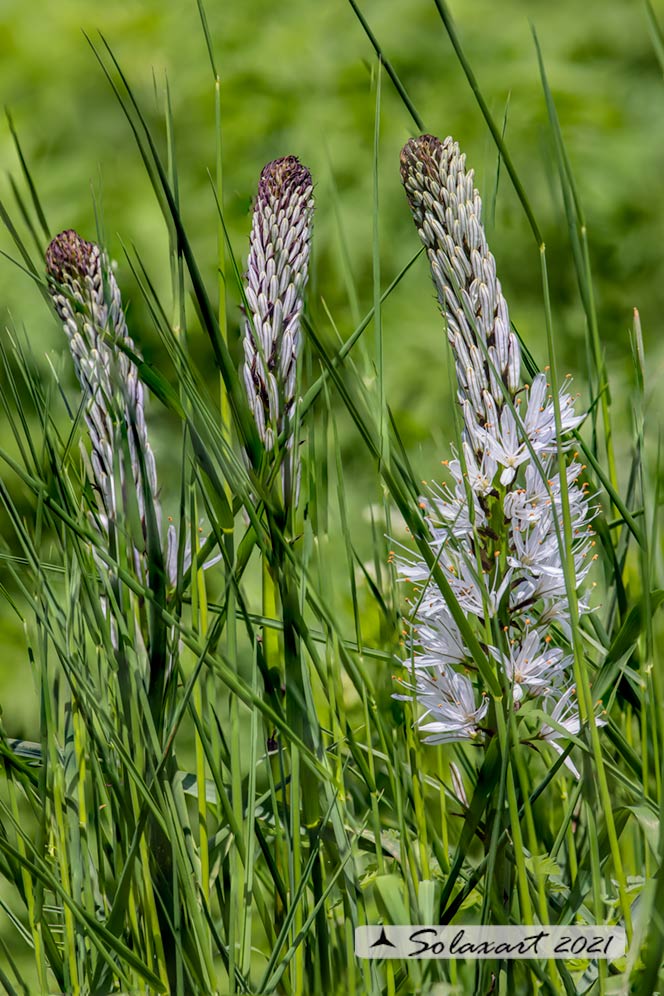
(496,528)
(277,272)
(87,299)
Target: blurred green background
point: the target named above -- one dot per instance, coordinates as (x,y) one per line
(297,78)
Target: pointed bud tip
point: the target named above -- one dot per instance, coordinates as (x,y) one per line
(283,175)
(422,143)
(69,255)
(426,153)
(423,149)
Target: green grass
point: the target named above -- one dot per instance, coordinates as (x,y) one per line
(152,841)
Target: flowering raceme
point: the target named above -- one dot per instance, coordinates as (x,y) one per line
(497,529)
(277,273)
(87,299)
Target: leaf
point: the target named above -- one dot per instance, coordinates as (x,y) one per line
(426,898)
(389,896)
(624,643)
(649,824)
(543,864)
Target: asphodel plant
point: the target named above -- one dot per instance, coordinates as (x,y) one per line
(87,299)
(496,525)
(277,274)
(127,518)
(122,469)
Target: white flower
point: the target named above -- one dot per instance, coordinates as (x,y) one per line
(535,547)
(440,639)
(566,716)
(532,666)
(556,610)
(540,420)
(480,474)
(450,698)
(449,512)
(541,492)
(546,579)
(505,437)
(505,444)
(474,590)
